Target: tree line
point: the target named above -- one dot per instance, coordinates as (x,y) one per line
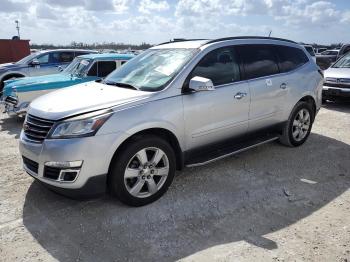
(104,45)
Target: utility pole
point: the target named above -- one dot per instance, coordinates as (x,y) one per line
(17,27)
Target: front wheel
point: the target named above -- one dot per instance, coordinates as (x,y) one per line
(298,127)
(142,171)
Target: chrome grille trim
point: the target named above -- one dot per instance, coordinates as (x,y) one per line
(36,128)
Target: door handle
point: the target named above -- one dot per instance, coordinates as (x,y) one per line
(283,86)
(240,95)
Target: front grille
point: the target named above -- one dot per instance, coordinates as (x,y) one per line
(339,85)
(52,172)
(36,128)
(31,165)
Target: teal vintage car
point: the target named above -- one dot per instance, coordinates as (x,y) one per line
(18,93)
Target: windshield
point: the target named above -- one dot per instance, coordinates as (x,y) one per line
(77,66)
(152,70)
(26,59)
(343,62)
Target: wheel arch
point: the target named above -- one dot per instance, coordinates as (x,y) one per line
(310,100)
(159,132)
(8,76)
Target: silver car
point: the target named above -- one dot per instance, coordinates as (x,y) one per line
(177,104)
(337,80)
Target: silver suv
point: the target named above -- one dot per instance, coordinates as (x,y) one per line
(177,104)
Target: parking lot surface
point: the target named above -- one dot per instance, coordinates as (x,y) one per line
(271,203)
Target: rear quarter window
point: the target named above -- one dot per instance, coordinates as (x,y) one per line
(291,58)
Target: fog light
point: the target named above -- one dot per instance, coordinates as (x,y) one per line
(65,164)
(68,175)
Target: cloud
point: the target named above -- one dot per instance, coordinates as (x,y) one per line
(62,21)
(149,6)
(9,6)
(118,6)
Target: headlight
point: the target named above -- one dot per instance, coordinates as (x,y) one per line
(82,126)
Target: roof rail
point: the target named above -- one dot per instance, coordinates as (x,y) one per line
(249,37)
(180,40)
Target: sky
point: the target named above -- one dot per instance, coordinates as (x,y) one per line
(155,21)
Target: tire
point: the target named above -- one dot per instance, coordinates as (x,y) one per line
(146,180)
(291,128)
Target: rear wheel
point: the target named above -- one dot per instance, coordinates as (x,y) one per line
(142,171)
(298,127)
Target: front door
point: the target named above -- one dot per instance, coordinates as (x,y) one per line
(212,116)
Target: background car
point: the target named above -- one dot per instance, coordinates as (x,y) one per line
(40,63)
(18,93)
(326,58)
(337,80)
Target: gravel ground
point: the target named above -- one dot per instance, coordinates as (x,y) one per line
(271,203)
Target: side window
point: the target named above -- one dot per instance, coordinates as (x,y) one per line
(123,62)
(66,57)
(105,68)
(44,59)
(54,57)
(93,70)
(259,60)
(220,65)
(291,58)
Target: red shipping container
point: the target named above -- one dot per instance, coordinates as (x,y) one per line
(13,50)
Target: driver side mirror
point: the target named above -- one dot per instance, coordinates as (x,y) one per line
(34,63)
(198,84)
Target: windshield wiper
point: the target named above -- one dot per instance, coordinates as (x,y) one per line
(119,84)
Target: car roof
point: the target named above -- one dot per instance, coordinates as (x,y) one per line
(68,50)
(197,43)
(106,56)
(181,44)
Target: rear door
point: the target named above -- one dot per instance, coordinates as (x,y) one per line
(267,86)
(212,116)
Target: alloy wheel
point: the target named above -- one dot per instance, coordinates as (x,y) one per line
(146,172)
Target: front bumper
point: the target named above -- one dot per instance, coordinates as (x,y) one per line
(335,92)
(10,106)
(94,152)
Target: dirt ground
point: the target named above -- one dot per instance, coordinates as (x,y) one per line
(271,203)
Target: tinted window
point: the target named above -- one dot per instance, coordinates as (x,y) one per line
(66,57)
(291,58)
(104,68)
(259,60)
(220,65)
(93,70)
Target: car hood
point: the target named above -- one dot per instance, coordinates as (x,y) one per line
(37,83)
(337,72)
(83,98)
(10,66)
